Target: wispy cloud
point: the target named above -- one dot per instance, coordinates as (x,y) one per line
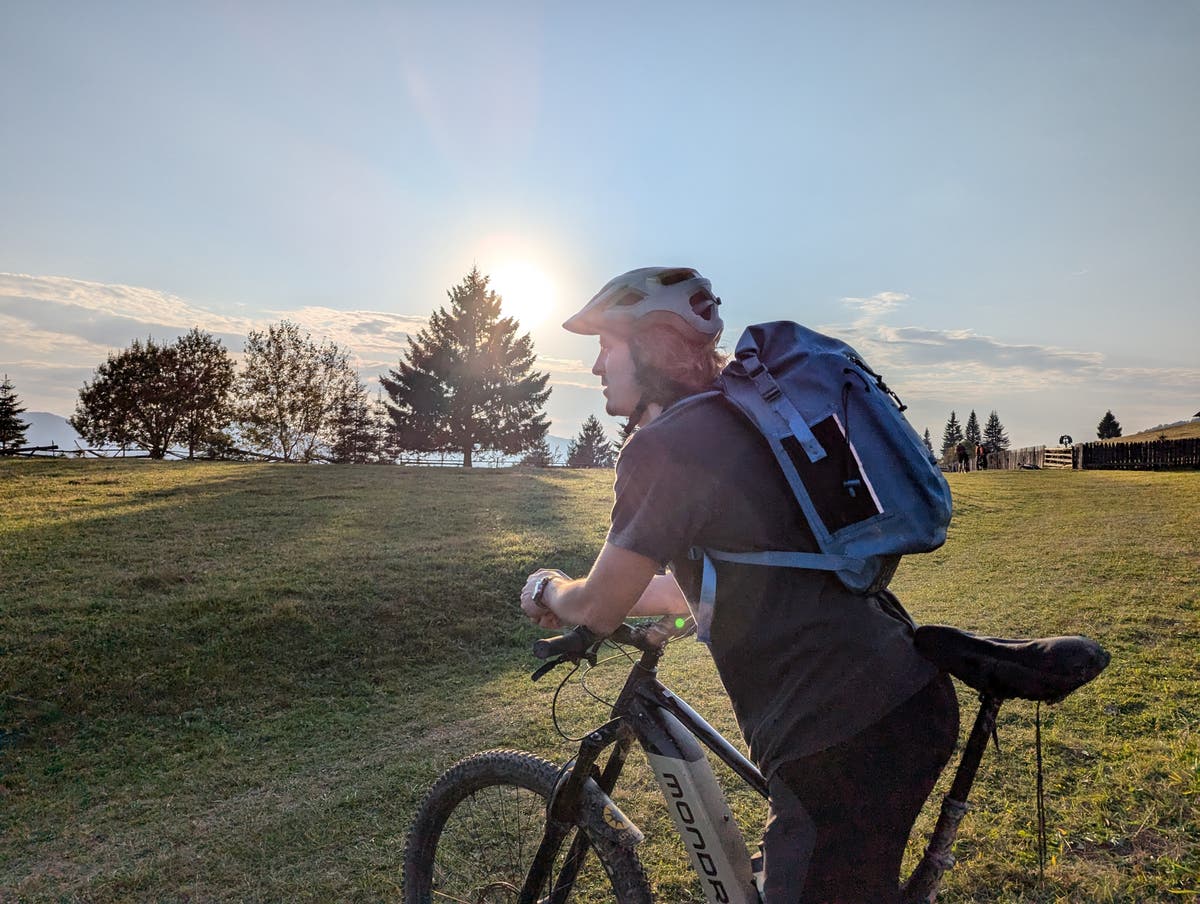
(563,365)
(878,304)
(57,325)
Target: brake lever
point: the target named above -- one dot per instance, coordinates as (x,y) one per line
(546,667)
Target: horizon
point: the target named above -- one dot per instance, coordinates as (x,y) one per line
(998,207)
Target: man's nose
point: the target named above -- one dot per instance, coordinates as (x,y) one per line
(598,366)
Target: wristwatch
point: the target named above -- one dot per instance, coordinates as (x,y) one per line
(539,590)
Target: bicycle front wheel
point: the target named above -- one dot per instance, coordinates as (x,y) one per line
(475,836)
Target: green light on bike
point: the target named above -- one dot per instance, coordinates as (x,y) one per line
(680,622)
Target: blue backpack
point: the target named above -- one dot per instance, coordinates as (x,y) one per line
(869,488)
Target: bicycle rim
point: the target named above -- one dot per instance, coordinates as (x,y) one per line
(479,829)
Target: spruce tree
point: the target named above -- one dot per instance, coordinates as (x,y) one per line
(952,435)
(591,448)
(354,430)
(12,428)
(466,381)
(539,456)
(994,437)
(625,431)
(972,437)
(928,440)
(1109,427)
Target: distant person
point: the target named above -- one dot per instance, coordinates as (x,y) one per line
(963,457)
(846,720)
(980,457)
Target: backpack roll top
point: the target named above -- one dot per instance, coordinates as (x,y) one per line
(868,487)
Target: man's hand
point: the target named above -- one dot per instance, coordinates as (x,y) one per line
(539,613)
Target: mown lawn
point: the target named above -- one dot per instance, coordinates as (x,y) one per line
(233,682)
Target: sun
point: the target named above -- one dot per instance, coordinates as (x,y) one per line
(526,292)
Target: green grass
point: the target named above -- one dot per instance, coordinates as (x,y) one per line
(234,682)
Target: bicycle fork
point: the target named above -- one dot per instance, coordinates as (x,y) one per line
(563,813)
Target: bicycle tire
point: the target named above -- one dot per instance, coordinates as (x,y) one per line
(497,802)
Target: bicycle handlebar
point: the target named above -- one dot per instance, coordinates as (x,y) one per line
(576,642)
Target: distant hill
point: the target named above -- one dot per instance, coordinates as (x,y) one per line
(46,429)
(1179,430)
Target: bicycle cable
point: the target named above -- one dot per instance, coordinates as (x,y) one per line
(582,683)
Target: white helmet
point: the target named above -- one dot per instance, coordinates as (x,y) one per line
(678,291)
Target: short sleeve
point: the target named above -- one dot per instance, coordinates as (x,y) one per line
(663,500)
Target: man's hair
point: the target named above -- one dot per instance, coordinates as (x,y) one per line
(668,367)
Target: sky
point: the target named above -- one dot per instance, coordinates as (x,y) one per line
(998,205)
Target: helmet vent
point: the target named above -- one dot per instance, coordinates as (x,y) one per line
(631,297)
(670,277)
(704,303)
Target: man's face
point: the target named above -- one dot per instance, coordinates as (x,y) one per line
(614,367)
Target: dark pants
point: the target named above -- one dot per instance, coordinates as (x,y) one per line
(840,818)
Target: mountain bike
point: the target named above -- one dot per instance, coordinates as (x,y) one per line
(506,827)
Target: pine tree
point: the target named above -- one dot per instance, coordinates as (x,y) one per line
(626,430)
(387,447)
(994,437)
(289,390)
(591,448)
(972,437)
(354,431)
(952,435)
(1109,427)
(928,440)
(12,428)
(157,396)
(466,382)
(539,456)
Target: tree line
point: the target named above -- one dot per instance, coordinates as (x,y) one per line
(465,384)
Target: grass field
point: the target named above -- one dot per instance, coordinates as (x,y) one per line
(233,682)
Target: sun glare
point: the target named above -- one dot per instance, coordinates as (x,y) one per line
(526,293)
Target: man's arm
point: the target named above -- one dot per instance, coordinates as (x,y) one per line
(621,583)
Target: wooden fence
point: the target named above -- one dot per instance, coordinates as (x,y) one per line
(1011,459)
(1158,455)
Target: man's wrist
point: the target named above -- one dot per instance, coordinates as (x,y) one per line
(539,591)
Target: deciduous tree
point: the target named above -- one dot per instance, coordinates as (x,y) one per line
(466,382)
(591,448)
(12,428)
(290,388)
(156,396)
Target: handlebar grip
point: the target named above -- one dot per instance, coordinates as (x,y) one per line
(572,644)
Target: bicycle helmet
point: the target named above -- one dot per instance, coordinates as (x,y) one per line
(677,291)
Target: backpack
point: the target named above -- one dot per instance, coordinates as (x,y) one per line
(869,488)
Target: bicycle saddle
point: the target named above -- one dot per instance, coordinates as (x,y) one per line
(1045,669)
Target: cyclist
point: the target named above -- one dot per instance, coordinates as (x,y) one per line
(848,723)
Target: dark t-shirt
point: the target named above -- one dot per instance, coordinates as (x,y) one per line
(807,663)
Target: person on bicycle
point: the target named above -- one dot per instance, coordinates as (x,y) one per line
(848,723)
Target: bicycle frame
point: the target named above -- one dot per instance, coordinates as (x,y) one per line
(671,733)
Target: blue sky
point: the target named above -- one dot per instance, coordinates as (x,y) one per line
(998,204)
